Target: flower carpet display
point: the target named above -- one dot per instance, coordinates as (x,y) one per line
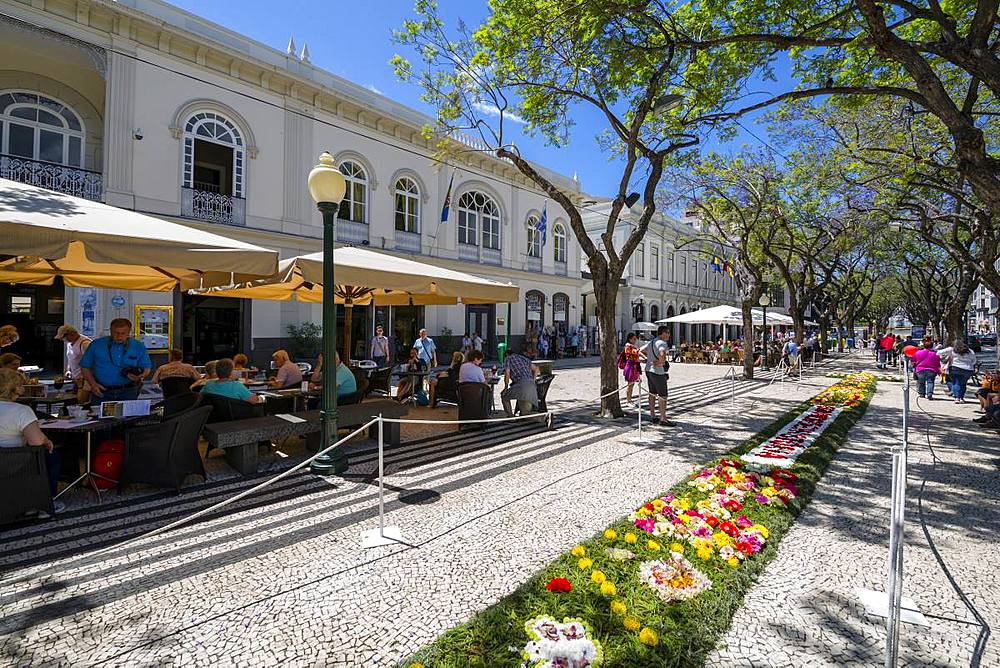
(659,586)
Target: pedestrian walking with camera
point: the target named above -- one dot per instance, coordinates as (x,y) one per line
(114,366)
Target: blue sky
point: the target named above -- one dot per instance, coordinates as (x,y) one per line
(354,40)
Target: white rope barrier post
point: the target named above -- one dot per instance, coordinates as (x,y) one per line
(383,535)
(896,530)
(638,438)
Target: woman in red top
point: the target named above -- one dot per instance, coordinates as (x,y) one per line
(927,365)
(632,366)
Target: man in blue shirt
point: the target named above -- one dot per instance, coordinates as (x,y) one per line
(114,366)
(346,382)
(426,350)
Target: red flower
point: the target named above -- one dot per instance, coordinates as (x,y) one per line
(729,529)
(732,505)
(559,585)
(712,521)
(784,475)
(649,507)
(736,464)
(745,548)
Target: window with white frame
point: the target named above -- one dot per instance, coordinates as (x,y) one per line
(559,242)
(534,237)
(354,206)
(407,195)
(669,271)
(654,262)
(640,260)
(477,211)
(682,269)
(40,128)
(213,154)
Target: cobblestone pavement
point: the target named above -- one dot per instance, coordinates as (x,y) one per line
(804,612)
(280,578)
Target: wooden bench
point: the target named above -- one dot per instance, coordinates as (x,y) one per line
(239,438)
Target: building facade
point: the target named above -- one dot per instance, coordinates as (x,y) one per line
(667,275)
(147,107)
(982,315)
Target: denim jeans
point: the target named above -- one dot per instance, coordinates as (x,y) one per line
(958,379)
(925,383)
(126,393)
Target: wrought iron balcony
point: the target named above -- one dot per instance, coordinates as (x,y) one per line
(407,241)
(213,207)
(350,232)
(53,176)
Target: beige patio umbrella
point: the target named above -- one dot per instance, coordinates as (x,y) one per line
(369,277)
(47,234)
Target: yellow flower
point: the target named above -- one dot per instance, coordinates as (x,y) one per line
(658,504)
(608,588)
(618,608)
(733,561)
(721,539)
(610,534)
(705,553)
(584,564)
(642,512)
(769,491)
(630,538)
(416,665)
(686,519)
(677,547)
(631,623)
(653,545)
(578,551)
(598,577)
(761,529)
(648,637)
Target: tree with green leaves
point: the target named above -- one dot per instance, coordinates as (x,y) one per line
(543,61)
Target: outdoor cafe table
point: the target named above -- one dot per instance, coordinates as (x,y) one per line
(48,400)
(414,377)
(88,427)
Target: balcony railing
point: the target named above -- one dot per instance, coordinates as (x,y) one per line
(62,178)
(560,268)
(407,241)
(350,232)
(213,207)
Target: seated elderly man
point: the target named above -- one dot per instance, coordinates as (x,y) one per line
(519,384)
(224,385)
(289,374)
(175,368)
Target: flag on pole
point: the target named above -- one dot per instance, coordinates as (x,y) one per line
(728,268)
(447,201)
(543,223)
(716,265)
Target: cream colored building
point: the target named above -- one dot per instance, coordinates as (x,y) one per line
(148,107)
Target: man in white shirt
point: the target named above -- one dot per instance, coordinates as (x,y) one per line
(477,342)
(426,350)
(472,371)
(289,374)
(76,345)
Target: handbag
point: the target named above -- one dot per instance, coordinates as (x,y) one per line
(621,360)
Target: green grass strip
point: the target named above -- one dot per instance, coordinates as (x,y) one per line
(687,631)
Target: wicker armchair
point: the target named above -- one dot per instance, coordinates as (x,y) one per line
(473,404)
(378,381)
(175,385)
(164,454)
(24,483)
(542,385)
(179,404)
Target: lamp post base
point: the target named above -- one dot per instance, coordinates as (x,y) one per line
(332,463)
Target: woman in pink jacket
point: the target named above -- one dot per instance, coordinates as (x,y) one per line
(927,365)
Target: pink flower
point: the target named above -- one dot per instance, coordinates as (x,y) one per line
(647,524)
(761,499)
(743,522)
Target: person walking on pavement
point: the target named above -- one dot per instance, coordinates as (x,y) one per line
(927,365)
(961,367)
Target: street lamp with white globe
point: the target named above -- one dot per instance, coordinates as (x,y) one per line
(327,187)
(764,302)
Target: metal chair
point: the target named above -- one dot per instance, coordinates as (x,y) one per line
(164,454)
(24,483)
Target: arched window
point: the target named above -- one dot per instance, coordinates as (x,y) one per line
(654,313)
(534,237)
(213,155)
(354,206)
(559,242)
(560,312)
(478,212)
(407,205)
(41,128)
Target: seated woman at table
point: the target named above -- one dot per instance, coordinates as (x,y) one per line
(240,362)
(316,376)
(414,363)
(224,385)
(210,374)
(451,373)
(472,371)
(346,382)
(19,427)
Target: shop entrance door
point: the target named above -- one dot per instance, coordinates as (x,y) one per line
(481,318)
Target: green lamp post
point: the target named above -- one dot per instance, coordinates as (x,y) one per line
(764,302)
(327,187)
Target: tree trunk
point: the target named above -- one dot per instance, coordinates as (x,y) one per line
(605,295)
(824,332)
(748,339)
(798,320)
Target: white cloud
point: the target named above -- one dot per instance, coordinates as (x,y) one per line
(373,89)
(493,110)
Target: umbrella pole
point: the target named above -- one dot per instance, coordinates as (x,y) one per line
(348,321)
